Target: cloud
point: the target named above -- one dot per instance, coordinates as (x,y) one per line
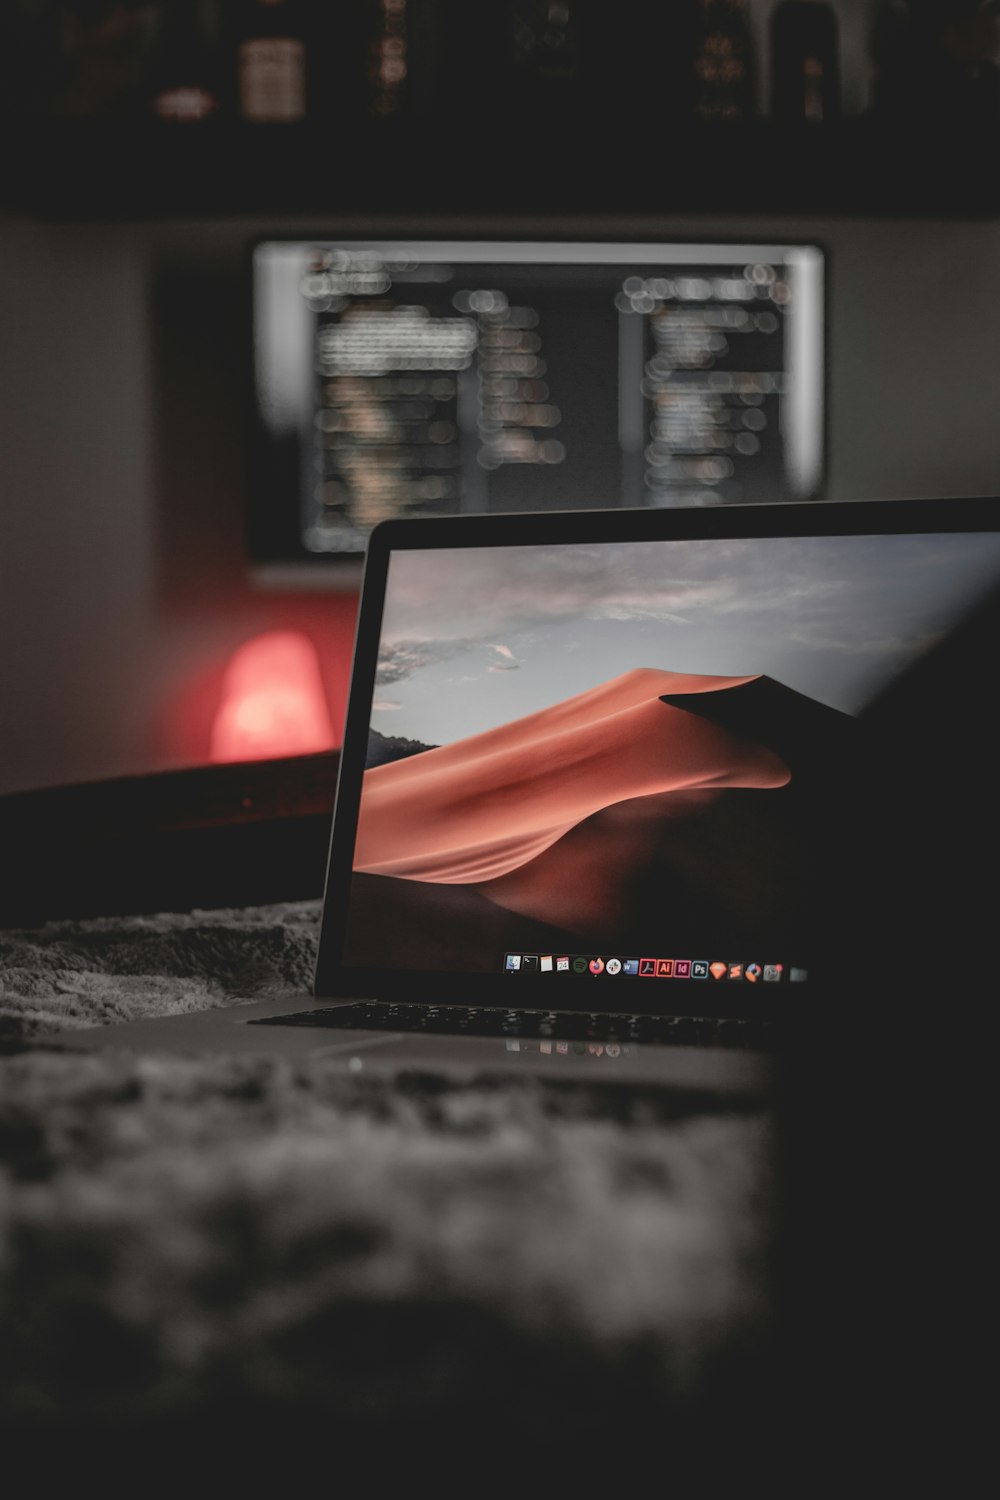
(507,662)
(863,643)
(400,659)
(812,593)
(436,596)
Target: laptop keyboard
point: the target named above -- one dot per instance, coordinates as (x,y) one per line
(754,1033)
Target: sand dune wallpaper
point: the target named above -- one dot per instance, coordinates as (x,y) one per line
(631,746)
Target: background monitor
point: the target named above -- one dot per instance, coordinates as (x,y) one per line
(399,378)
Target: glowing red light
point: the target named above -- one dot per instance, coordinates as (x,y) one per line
(272,701)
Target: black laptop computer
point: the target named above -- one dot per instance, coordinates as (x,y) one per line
(619,788)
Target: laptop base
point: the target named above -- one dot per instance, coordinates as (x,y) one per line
(716,1070)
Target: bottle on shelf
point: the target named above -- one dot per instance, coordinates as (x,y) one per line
(544,39)
(272,62)
(97,61)
(186,81)
(937,65)
(724,62)
(805,62)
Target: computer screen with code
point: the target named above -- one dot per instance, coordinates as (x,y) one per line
(408,378)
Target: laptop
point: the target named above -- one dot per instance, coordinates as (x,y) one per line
(624,794)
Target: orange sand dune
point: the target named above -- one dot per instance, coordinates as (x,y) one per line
(481,807)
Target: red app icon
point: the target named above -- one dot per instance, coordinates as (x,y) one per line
(596,966)
(647,966)
(664,968)
(682,968)
(717,970)
(736,971)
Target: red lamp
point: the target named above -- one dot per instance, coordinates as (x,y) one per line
(273,703)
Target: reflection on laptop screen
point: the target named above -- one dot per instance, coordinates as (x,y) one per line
(414,378)
(617,758)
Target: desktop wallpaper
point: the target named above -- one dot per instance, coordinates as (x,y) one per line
(630,747)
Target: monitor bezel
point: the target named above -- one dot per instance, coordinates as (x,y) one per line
(278,561)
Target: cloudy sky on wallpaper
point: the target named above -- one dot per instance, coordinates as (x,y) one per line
(473,639)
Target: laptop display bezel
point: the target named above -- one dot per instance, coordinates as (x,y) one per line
(336,980)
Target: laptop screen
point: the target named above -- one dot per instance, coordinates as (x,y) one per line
(617,757)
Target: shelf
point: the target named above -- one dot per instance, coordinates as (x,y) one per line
(122,169)
(222,835)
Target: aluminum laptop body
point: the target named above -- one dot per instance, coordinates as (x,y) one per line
(606,767)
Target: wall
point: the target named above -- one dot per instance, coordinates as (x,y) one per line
(122,372)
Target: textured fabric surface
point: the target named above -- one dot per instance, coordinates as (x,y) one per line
(244,1235)
(120,969)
